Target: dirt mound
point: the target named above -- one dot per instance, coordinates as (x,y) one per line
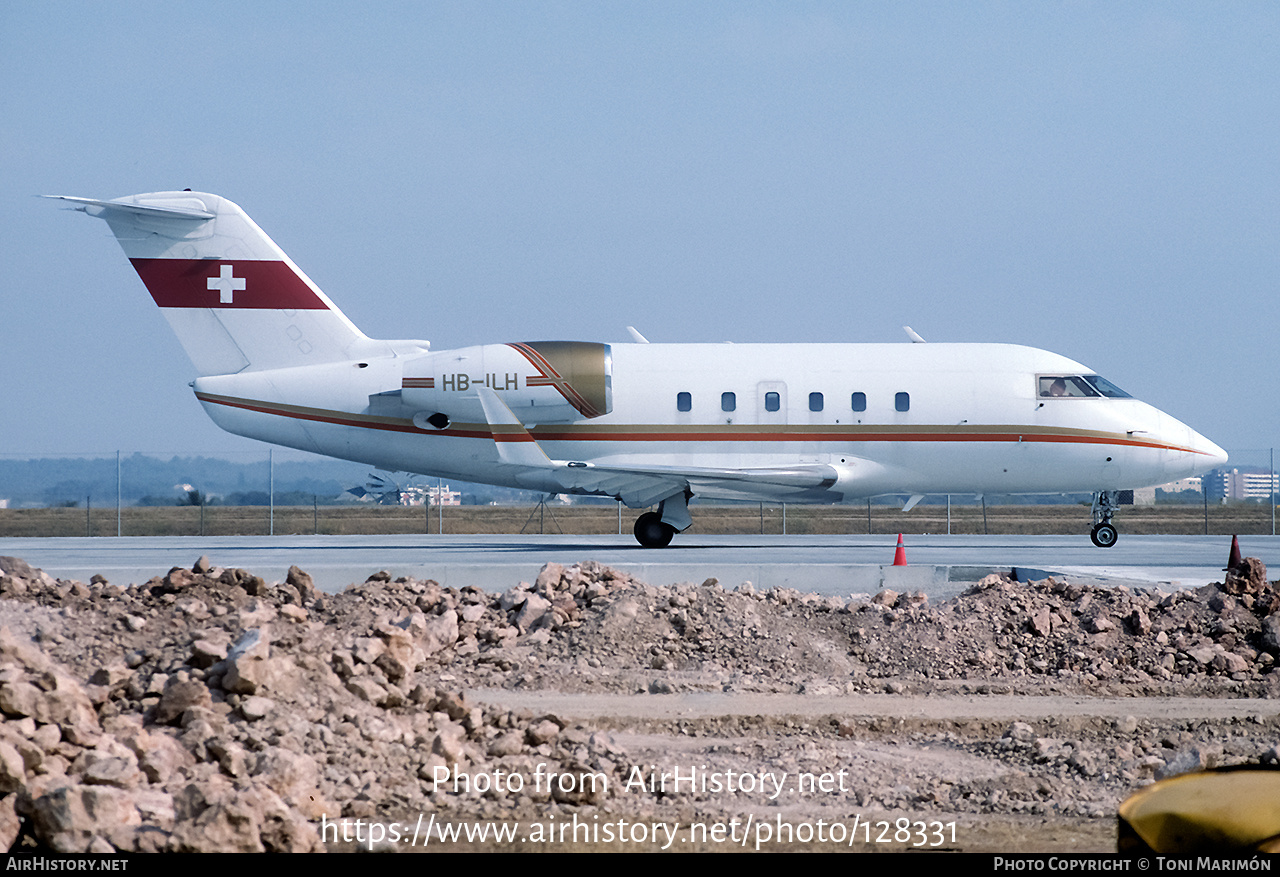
(210,710)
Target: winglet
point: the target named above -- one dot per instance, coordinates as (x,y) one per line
(515,445)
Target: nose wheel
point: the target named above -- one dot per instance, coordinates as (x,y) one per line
(1105,504)
(1104,535)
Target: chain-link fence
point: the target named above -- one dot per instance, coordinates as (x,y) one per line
(144,494)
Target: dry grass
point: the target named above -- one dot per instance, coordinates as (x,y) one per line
(588,520)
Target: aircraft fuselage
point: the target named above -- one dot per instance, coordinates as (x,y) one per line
(973,421)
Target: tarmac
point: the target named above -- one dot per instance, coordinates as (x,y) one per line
(941,566)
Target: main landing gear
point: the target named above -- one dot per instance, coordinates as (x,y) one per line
(1105,504)
(655,529)
(651,532)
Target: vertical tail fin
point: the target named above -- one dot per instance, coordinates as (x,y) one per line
(234,299)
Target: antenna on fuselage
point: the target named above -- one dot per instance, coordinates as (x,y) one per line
(913,335)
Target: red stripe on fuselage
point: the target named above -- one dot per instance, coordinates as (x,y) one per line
(690,434)
(251,283)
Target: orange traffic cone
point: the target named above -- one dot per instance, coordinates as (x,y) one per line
(900,556)
(1234,560)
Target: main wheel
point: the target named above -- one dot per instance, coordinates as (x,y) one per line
(651,532)
(1104,535)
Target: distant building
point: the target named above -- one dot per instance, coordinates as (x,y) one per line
(1246,482)
(1147,495)
(434,495)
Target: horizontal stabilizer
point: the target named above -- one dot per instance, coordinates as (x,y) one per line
(96,208)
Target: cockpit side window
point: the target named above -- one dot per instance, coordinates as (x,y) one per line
(1064,387)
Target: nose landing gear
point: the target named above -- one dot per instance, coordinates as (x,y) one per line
(1105,504)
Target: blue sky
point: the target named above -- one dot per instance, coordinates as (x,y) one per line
(1097,179)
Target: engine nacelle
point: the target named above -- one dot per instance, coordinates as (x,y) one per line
(540,381)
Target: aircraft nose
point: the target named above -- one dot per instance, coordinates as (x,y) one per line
(1196,454)
(1215,455)
(1205,455)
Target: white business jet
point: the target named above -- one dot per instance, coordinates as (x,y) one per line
(647,424)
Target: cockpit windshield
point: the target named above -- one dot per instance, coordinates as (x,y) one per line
(1105,387)
(1077,387)
(1065,386)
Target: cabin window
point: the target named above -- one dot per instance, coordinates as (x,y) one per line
(815,401)
(902,402)
(728,401)
(772,401)
(684,402)
(859,401)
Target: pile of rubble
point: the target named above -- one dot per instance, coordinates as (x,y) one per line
(211,710)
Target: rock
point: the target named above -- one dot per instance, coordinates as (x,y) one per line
(13,770)
(542,732)
(448,742)
(179,697)
(367,690)
(254,707)
(252,821)
(1270,637)
(303,582)
(115,766)
(535,613)
(507,743)
(247,662)
(549,578)
(207,652)
(886,598)
(1038,621)
(179,578)
(10,822)
(439,632)
(68,817)
(1250,577)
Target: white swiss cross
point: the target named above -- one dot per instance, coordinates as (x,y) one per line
(226,285)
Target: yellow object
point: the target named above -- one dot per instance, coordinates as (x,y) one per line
(1210,811)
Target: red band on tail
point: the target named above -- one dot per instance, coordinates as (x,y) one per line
(226,283)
